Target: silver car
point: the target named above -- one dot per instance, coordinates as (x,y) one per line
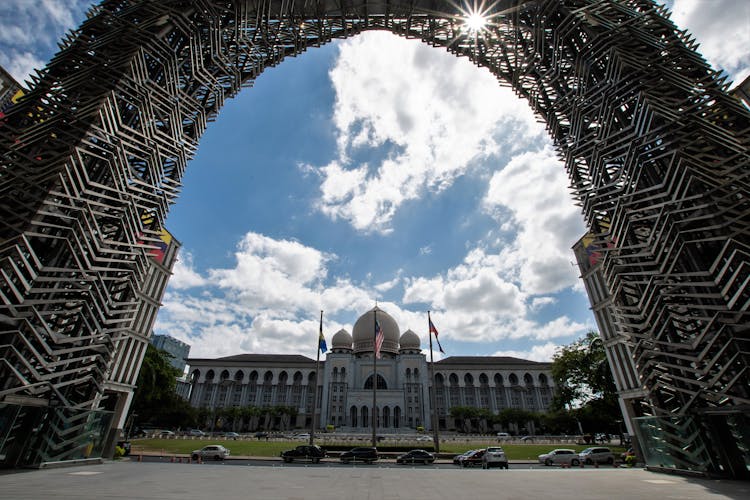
(562,456)
(597,455)
(212,451)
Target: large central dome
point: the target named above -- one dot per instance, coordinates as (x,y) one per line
(364,331)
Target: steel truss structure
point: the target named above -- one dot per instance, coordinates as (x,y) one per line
(656,150)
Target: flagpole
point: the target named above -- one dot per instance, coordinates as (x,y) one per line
(433,398)
(374,375)
(315,388)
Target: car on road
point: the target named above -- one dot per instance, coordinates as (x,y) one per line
(416,457)
(196,433)
(312,453)
(503,435)
(166,434)
(231,435)
(260,435)
(494,456)
(366,454)
(302,437)
(212,451)
(475,458)
(424,438)
(562,456)
(457,459)
(597,455)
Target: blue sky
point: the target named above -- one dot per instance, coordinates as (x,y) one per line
(374,168)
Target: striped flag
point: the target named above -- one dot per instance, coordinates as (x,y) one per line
(378,339)
(434,331)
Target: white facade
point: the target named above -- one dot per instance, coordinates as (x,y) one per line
(345,394)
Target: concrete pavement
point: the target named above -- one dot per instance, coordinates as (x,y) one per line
(134,480)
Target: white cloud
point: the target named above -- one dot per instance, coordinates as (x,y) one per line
(183,273)
(31,27)
(542,353)
(722,27)
(435,115)
(533,188)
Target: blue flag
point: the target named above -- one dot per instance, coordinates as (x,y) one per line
(321,339)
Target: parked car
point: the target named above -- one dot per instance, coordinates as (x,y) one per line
(212,451)
(364,454)
(231,435)
(475,458)
(416,457)
(560,456)
(304,452)
(597,455)
(196,433)
(494,456)
(166,434)
(458,458)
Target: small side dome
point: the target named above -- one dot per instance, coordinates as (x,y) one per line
(341,340)
(410,341)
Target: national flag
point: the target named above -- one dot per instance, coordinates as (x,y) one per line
(434,331)
(321,339)
(378,339)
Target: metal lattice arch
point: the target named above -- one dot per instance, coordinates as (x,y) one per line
(655,148)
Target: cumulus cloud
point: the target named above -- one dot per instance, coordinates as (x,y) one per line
(33,27)
(722,27)
(434,115)
(183,273)
(544,352)
(531,195)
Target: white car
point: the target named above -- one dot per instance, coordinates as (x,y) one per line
(212,451)
(597,455)
(494,456)
(560,456)
(302,437)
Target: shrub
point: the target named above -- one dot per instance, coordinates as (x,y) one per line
(119,452)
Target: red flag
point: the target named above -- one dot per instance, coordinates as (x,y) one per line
(434,331)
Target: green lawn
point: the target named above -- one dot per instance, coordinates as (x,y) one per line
(262,448)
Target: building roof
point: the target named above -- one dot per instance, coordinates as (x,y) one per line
(255,358)
(486,360)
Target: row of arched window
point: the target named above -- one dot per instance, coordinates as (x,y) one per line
(340,375)
(468,379)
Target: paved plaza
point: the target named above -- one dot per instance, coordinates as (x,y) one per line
(134,480)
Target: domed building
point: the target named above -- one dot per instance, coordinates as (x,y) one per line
(349,372)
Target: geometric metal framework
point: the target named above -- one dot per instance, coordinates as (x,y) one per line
(655,148)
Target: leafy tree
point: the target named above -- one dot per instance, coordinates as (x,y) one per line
(155,400)
(585,385)
(582,374)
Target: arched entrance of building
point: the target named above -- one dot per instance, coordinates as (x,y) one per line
(655,149)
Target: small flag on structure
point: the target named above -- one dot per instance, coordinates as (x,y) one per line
(378,339)
(433,330)
(321,339)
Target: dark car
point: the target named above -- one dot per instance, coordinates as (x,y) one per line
(416,457)
(304,452)
(473,459)
(364,454)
